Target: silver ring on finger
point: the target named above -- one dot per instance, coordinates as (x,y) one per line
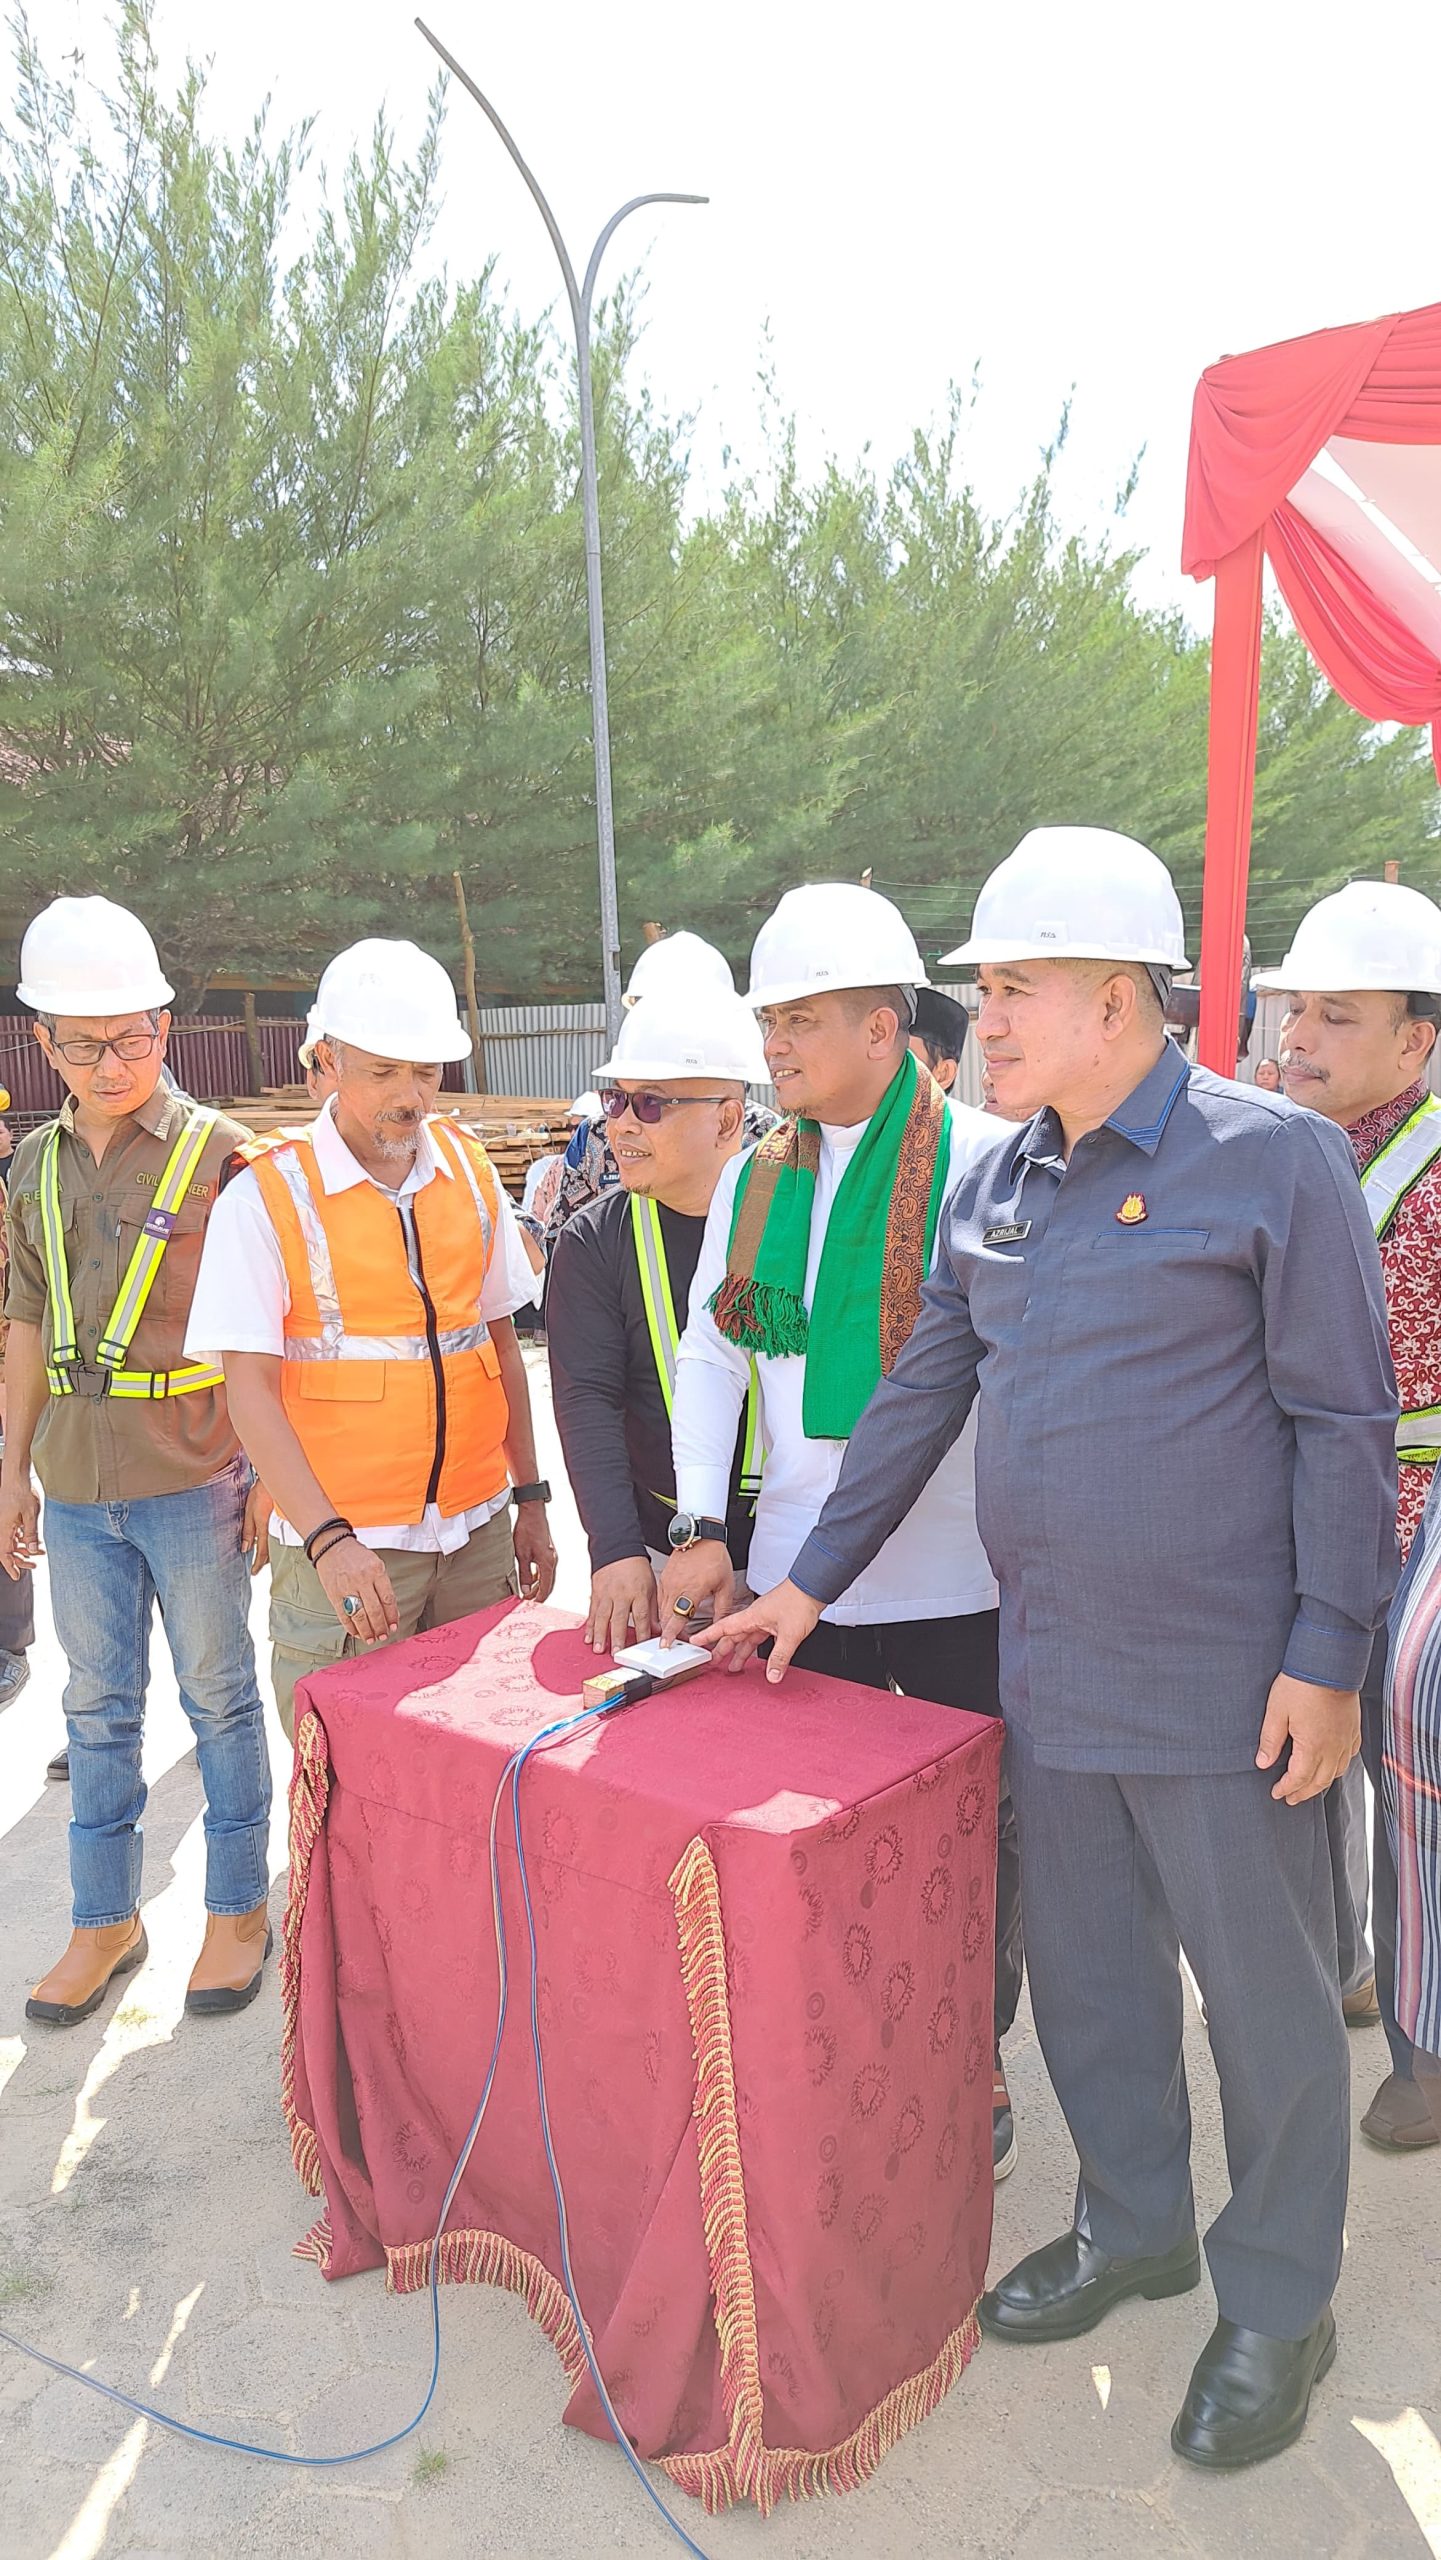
(351,1605)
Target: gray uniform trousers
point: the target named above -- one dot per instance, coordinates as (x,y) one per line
(1120,1872)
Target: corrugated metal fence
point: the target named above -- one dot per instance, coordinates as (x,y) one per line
(542,1049)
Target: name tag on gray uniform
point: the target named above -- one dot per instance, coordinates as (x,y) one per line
(1008,1235)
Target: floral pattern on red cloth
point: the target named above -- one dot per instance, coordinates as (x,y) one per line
(764,1927)
(1411,1266)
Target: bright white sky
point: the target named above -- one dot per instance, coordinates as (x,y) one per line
(1105,197)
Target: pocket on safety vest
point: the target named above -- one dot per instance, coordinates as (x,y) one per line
(489,1358)
(339,1381)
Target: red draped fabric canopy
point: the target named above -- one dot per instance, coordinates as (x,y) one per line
(1356,553)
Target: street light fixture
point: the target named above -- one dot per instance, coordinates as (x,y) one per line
(580,297)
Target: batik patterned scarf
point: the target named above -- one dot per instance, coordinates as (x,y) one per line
(876,1253)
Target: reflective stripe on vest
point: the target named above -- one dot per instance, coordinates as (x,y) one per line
(334,1343)
(1400,1164)
(664,1333)
(64,1374)
(1418,1436)
(1389,1177)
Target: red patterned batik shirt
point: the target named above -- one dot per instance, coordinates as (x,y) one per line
(1411,1264)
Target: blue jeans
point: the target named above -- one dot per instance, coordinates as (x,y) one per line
(109,1563)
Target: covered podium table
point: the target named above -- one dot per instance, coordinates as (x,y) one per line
(765,1925)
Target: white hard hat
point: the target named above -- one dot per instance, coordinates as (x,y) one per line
(87,956)
(1077,893)
(586,1106)
(695,1033)
(392,999)
(1372,933)
(313,1033)
(829,935)
(676,956)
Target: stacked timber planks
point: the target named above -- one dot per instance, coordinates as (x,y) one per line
(513,1128)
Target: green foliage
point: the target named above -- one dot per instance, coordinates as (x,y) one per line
(292,611)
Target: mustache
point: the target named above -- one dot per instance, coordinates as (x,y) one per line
(1294,1066)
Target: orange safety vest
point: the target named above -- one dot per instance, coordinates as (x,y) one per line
(393,1392)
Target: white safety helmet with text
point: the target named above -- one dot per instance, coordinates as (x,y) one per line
(1077,893)
(671,1036)
(89,958)
(829,936)
(391,999)
(679,958)
(1371,934)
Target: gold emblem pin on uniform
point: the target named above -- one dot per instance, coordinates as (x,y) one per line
(1132,1211)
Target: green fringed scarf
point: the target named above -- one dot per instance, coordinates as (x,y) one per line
(877,1250)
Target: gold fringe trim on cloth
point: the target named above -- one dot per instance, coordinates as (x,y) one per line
(309,1795)
(746,2467)
(486,2257)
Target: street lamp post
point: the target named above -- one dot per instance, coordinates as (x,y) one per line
(580,297)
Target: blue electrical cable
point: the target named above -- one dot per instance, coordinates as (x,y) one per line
(363,2453)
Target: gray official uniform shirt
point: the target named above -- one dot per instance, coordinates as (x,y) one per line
(1185,1468)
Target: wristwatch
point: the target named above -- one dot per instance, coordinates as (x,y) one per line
(687,1529)
(537,1492)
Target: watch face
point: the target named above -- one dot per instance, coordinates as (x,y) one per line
(681,1531)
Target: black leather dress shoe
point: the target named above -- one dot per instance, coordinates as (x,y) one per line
(1064,2289)
(1249,2393)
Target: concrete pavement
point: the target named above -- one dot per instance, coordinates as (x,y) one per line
(148,2210)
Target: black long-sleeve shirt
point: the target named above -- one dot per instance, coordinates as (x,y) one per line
(609,1408)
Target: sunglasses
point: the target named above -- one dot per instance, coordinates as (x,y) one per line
(651,1108)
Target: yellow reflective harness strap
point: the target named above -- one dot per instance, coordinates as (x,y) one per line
(753,1456)
(64,1348)
(1418,1435)
(655,1291)
(63,1369)
(1389,1178)
(664,1333)
(181,1166)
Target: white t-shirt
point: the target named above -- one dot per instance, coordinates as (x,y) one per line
(242,1297)
(934,1565)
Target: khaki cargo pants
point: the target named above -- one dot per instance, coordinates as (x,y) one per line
(430,1590)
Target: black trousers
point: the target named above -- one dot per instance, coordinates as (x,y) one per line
(17,1613)
(952,1661)
(1347,1831)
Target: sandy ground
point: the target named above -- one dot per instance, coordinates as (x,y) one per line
(147,2216)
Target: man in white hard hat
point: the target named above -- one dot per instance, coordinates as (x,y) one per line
(147,1494)
(810,1275)
(359,1284)
(679,964)
(1160,1271)
(1363,999)
(674,1096)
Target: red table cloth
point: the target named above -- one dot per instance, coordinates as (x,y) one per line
(765,1921)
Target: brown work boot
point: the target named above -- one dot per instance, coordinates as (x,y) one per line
(231,1962)
(1398,2118)
(78,1983)
(1361,2008)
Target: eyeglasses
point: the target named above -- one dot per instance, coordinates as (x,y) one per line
(650,1108)
(131,1046)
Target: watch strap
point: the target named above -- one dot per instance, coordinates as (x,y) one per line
(537,1492)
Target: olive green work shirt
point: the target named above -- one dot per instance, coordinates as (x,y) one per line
(99,1448)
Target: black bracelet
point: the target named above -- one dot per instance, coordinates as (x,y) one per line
(538,1492)
(334,1522)
(330,1546)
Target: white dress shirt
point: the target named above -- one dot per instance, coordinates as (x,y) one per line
(242,1297)
(934,1565)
